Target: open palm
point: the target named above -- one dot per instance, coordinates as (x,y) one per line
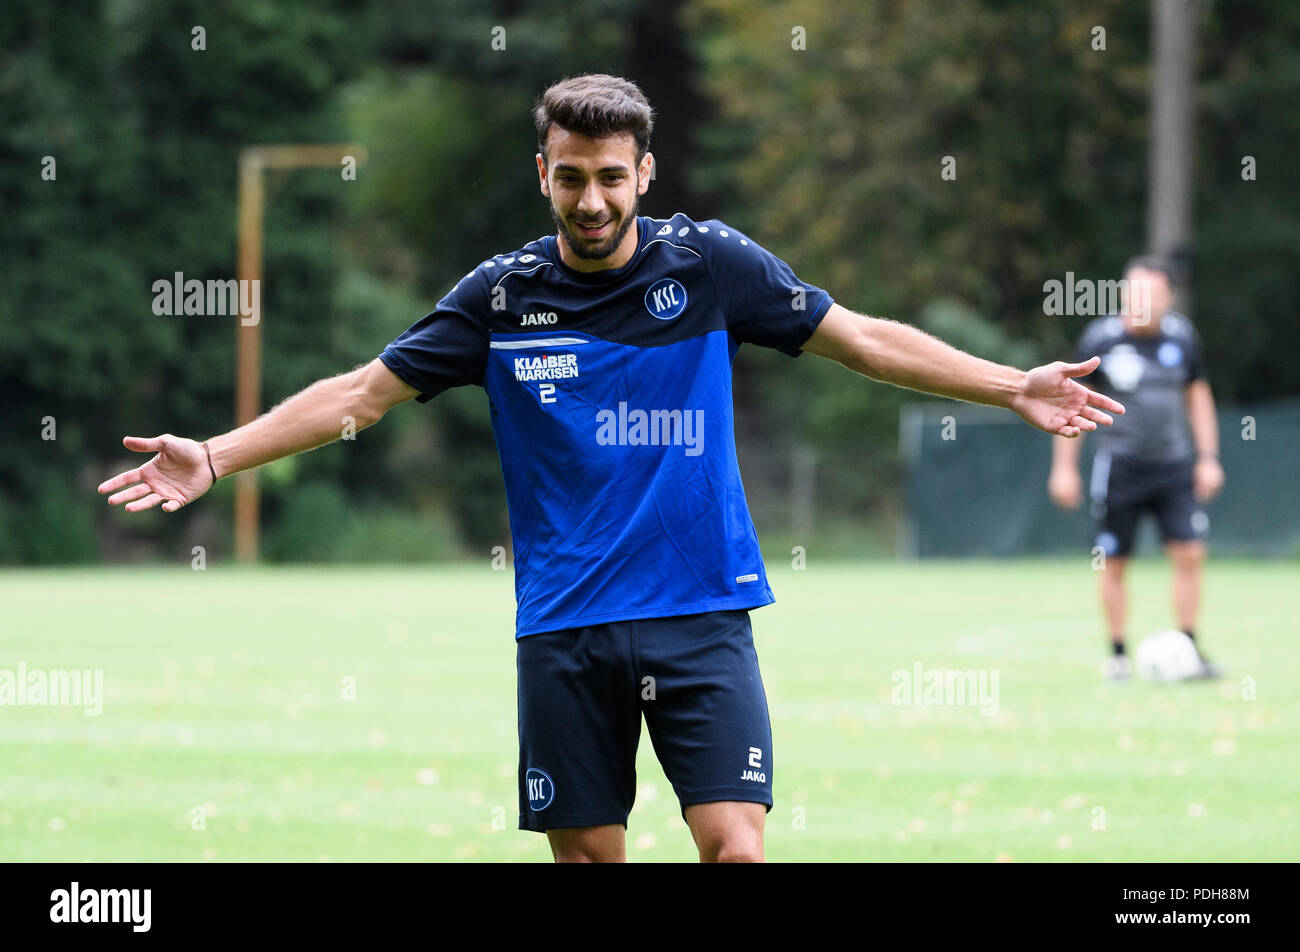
(1050,400)
(178,475)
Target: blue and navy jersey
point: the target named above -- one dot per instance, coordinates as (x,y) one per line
(611,405)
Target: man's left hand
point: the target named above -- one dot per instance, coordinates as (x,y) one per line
(1049,399)
(1207,479)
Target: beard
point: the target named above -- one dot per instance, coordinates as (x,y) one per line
(582,248)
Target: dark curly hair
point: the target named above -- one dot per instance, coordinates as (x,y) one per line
(595,105)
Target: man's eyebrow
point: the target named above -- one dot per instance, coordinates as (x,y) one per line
(606,169)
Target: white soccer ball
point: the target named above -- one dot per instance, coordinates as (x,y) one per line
(1167,656)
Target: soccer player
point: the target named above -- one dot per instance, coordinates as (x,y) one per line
(605,351)
(1149,462)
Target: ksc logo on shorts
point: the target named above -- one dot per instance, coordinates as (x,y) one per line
(665,299)
(541,789)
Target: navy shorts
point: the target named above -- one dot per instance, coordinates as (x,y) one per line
(1124,487)
(583,691)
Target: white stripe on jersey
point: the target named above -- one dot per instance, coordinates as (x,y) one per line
(537,342)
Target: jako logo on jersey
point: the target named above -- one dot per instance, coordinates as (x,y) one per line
(755,762)
(541,789)
(651,428)
(541,317)
(546,367)
(666,299)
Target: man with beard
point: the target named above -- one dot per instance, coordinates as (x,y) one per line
(605,352)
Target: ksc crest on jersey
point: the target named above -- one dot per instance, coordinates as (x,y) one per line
(666,299)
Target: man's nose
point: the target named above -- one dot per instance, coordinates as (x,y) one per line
(593,200)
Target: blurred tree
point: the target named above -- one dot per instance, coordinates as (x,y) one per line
(836,124)
(144,129)
(1246,275)
(830,155)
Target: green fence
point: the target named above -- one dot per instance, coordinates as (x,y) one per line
(976,485)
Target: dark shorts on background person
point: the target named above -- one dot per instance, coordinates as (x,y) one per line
(1122,488)
(582,693)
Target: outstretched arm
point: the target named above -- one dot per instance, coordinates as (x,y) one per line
(1045,397)
(180,472)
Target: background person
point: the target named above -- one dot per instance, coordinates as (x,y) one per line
(1161,458)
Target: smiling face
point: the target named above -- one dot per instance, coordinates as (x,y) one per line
(593,186)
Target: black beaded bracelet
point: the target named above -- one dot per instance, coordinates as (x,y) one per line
(210,466)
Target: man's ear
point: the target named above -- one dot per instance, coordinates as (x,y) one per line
(541,175)
(644,172)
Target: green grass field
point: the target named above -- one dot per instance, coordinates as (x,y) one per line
(224,694)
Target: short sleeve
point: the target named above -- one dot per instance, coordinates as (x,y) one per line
(765,303)
(1179,329)
(447,348)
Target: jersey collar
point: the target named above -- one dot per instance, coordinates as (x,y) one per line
(608,276)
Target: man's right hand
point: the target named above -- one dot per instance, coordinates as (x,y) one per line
(1065,487)
(178,475)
